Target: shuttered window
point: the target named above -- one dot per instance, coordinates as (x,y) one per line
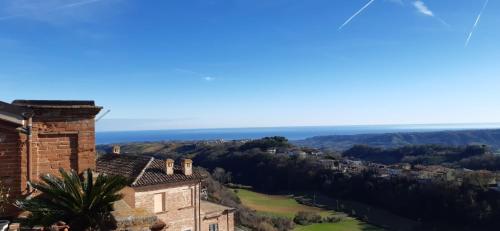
(213,227)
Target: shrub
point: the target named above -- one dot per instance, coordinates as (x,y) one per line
(282,224)
(334,218)
(4,197)
(264,226)
(306,218)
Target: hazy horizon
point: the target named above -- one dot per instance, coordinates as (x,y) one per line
(493,125)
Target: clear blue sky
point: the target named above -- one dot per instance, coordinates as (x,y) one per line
(248,63)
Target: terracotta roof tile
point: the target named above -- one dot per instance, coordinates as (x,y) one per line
(123,165)
(145,171)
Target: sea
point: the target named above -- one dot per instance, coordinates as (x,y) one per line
(292,133)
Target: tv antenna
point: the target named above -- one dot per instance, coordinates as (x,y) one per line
(100,117)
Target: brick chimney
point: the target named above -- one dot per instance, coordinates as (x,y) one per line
(187,167)
(116,149)
(169,166)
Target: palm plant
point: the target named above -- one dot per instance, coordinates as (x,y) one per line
(84,203)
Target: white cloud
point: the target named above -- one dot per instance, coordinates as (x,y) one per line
(422,8)
(208,78)
(478,18)
(53,11)
(356,14)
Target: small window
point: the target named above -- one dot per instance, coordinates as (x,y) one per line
(213,227)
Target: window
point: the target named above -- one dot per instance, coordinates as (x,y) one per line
(213,227)
(158,203)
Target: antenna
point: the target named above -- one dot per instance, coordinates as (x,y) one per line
(100,117)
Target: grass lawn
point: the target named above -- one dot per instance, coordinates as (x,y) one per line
(347,225)
(276,205)
(286,206)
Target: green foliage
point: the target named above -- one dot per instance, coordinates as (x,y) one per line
(488,162)
(462,205)
(393,140)
(307,218)
(84,203)
(416,154)
(4,197)
(221,175)
(265,143)
(244,216)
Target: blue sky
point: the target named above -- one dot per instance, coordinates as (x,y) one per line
(256,63)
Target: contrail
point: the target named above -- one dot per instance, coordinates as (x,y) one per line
(356,14)
(62,7)
(476,23)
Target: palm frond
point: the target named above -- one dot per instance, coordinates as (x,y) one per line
(84,203)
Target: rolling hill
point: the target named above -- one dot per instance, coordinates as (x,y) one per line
(390,140)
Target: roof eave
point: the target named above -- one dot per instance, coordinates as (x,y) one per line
(143,188)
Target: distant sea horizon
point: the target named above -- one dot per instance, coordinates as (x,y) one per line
(292,133)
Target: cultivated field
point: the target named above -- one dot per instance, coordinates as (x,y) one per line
(286,206)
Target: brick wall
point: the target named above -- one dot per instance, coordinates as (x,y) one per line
(62,137)
(12,172)
(67,135)
(177,214)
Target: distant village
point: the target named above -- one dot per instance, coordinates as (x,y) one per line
(422,173)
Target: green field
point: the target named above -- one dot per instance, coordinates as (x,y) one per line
(347,225)
(286,206)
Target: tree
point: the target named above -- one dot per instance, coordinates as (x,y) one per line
(221,175)
(84,203)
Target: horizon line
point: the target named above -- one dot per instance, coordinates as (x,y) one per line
(443,125)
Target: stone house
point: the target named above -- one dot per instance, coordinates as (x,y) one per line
(41,136)
(169,191)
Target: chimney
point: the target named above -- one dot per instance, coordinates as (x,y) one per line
(187,167)
(116,149)
(169,166)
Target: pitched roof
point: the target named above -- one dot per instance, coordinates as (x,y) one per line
(123,165)
(144,171)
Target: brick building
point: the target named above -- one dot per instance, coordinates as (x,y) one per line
(41,136)
(169,191)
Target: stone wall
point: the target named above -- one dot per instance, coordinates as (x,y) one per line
(128,196)
(225,222)
(181,209)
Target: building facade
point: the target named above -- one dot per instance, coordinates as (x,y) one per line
(41,136)
(169,191)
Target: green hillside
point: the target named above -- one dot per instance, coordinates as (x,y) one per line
(390,140)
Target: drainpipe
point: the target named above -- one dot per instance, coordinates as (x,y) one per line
(29,156)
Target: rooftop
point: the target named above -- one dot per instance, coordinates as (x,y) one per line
(144,171)
(14,114)
(55,103)
(209,209)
